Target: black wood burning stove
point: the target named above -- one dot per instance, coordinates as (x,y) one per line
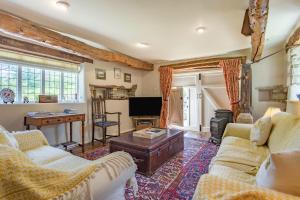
(218,124)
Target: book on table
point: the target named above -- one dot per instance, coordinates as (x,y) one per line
(149,133)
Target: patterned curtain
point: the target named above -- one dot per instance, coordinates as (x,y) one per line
(166,74)
(231,69)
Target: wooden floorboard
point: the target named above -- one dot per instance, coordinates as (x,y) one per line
(87,148)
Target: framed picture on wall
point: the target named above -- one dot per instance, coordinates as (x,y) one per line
(100,74)
(117,73)
(127,77)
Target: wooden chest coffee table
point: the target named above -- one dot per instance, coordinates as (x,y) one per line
(149,154)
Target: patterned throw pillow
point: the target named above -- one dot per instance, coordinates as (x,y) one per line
(280,171)
(260,132)
(7,138)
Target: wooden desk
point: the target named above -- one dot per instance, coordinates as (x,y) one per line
(55,119)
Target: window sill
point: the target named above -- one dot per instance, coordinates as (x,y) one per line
(29,104)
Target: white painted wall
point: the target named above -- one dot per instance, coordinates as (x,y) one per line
(11,116)
(268,72)
(151,86)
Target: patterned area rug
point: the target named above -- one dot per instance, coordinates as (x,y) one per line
(175,179)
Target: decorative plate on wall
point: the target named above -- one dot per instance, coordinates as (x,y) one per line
(7,95)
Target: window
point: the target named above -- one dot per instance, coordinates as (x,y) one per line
(8,76)
(30,81)
(294,72)
(70,86)
(53,83)
(295,66)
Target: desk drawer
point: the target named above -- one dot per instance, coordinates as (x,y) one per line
(52,121)
(75,118)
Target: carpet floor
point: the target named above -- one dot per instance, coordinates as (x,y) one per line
(176,178)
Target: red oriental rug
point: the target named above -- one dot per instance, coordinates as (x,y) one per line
(175,179)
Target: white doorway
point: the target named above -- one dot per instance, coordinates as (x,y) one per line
(194,99)
(184,101)
(190,107)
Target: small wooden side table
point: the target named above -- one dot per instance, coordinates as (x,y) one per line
(56,119)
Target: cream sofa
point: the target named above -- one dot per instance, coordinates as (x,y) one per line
(102,187)
(232,171)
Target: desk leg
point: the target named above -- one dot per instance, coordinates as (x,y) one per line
(38,128)
(27,127)
(82,136)
(71,131)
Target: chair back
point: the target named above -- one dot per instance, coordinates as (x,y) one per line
(98,108)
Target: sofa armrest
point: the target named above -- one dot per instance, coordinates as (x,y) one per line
(238,130)
(30,139)
(116,170)
(217,188)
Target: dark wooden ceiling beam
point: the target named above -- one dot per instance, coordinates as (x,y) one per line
(37,50)
(203,63)
(27,29)
(258,16)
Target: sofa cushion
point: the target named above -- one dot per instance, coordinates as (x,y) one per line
(261,130)
(231,173)
(68,163)
(240,154)
(7,138)
(281,172)
(216,188)
(283,130)
(45,154)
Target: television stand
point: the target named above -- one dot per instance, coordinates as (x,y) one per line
(145,122)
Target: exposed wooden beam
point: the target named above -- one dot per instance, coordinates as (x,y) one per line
(203,63)
(294,39)
(246,29)
(258,16)
(25,28)
(198,66)
(33,49)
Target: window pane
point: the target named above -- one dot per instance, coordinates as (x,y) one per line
(31,83)
(52,83)
(9,76)
(70,86)
(294,70)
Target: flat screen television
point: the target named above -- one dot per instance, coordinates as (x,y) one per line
(145,106)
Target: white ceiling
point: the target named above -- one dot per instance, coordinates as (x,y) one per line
(167,25)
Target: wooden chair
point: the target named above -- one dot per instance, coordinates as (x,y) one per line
(99,118)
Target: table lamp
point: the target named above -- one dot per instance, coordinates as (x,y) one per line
(271,111)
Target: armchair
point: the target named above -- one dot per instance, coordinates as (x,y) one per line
(99,119)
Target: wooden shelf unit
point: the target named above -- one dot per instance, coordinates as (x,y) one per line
(112,92)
